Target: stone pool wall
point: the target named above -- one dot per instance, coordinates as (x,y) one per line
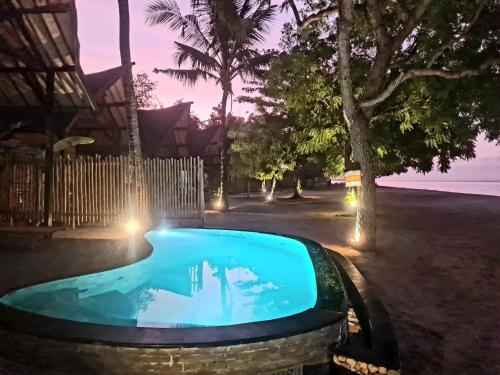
(362,368)
(266,357)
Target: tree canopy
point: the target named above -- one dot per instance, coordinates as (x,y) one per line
(417,80)
(263,148)
(422,125)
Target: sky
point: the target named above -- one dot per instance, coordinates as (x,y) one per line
(153,46)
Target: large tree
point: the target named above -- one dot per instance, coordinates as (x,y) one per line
(135,155)
(300,89)
(219,42)
(391,51)
(264,149)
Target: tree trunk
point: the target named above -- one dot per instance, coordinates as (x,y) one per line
(134,141)
(224,155)
(347,155)
(248,188)
(359,132)
(263,186)
(297,191)
(273,186)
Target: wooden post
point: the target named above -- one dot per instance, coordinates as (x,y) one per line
(201,186)
(49,152)
(49,158)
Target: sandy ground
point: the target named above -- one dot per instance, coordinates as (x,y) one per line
(437,268)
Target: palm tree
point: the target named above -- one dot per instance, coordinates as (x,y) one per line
(219,41)
(135,156)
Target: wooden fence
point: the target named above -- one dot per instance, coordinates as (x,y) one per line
(95,190)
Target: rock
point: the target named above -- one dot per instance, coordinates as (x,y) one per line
(372,369)
(351,362)
(382,370)
(393,372)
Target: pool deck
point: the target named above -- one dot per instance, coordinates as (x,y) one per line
(436,269)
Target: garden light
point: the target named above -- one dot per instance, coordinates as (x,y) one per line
(132,226)
(218,204)
(351,199)
(163,232)
(357,233)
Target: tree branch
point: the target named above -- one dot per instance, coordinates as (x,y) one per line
(412,22)
(448,45)
(377,22)
(415,73)
(309,20)
(318,16)
(402,9)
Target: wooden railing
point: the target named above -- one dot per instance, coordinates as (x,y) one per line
(96,190)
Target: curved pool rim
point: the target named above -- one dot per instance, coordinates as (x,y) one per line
(22,322)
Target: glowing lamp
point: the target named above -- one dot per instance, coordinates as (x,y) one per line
(357,234)
(132,227)
(218,204)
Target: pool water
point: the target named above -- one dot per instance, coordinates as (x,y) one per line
(194,277)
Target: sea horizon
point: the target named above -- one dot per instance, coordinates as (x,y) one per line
(478,187)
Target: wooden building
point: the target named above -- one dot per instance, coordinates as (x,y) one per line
(41,88)
(44,97)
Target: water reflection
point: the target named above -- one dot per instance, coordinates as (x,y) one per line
(192,278)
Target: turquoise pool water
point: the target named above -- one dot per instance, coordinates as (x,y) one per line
(194,277)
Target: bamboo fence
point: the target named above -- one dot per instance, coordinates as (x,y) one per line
(96,190)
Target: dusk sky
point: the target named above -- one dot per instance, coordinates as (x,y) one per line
(154,46)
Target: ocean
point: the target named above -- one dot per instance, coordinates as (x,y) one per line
(464,187)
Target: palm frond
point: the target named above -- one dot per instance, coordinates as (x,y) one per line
(241,54)
(218,38)
(167,12)
(245,8)
(253,67)
(261,59)
(259,23)
(199,59)
(251,28)
(187,76)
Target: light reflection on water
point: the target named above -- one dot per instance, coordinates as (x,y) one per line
(194,277)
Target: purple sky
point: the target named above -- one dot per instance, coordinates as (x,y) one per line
(154,47)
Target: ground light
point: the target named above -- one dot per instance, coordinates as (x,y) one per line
(132,226)
(351,199)
(354,203)
(218,204)
(163,232)
(357,233)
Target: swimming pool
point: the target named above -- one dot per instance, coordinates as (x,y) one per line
(200,292)
(193,278)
